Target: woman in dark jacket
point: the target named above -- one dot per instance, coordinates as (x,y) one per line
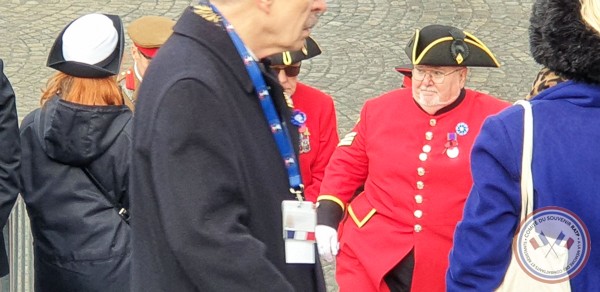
(75,160)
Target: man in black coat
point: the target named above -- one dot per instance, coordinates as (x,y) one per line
(207,177)
(9,159)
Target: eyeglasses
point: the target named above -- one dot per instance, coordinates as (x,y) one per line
(437,76)
(290,71)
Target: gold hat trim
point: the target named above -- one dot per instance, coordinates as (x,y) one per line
(482,46)
(414,50)
(286,57)
(431,45)
(476,42)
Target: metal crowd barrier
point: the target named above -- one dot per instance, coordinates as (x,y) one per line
(20,250)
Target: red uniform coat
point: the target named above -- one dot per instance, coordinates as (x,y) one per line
(318,137)
(414,191)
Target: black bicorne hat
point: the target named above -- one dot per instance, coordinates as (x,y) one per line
(442,45)
(560,40)
(309,50)
(107,67)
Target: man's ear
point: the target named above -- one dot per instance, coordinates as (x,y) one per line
(134,51)
(264,5)
(464,74)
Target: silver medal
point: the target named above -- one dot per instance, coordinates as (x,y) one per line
(452,152)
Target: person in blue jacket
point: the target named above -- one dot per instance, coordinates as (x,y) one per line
(565,39)
(9,159)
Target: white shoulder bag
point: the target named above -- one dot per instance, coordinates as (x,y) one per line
(516,279)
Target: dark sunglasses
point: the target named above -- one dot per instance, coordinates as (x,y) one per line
(290,71)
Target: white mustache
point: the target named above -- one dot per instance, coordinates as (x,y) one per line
(424,102)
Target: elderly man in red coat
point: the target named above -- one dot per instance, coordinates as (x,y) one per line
(411,150)
(313,113)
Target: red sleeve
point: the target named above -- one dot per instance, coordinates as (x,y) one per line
(328,139)
(347,170)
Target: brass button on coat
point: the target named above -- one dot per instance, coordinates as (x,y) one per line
(420,185)
(419,199)
(418,228)
(418,213)
(428,136)
(426,148)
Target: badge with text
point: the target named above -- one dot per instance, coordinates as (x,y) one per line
(553,245)
(299,221)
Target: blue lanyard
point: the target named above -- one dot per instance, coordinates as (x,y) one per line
(279,129)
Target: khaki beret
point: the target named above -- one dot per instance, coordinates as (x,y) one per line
(150,32)
(442,45)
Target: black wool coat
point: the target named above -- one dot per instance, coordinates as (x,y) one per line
(9,159)
(207,178)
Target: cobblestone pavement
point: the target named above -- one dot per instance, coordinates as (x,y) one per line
(362,41)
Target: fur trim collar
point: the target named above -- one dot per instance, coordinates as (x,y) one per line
(560,40)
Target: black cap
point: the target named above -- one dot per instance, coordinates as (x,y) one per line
(560,40)
(442,45)
(309,50)
(107,67)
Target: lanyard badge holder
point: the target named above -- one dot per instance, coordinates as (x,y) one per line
(299,216)
(299,221)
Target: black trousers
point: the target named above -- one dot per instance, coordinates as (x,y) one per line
(399,279)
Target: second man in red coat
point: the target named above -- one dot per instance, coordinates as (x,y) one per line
(314,114)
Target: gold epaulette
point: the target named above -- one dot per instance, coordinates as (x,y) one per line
(207,13)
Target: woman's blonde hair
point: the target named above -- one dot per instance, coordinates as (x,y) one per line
(590,12)
(86,91)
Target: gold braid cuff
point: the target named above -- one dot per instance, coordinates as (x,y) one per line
(332,198)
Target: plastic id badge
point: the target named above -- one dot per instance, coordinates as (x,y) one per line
(299,221)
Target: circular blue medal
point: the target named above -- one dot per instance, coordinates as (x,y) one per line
(462,128)
(298,118)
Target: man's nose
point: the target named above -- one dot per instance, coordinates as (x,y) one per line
(319,6)
(428,79)
(282,77)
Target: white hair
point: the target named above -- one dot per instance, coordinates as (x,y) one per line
(590,12)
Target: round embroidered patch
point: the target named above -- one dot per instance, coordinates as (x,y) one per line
(553,245)
(462,128)
(298,118)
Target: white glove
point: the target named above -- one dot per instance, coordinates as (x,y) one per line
(327,242)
